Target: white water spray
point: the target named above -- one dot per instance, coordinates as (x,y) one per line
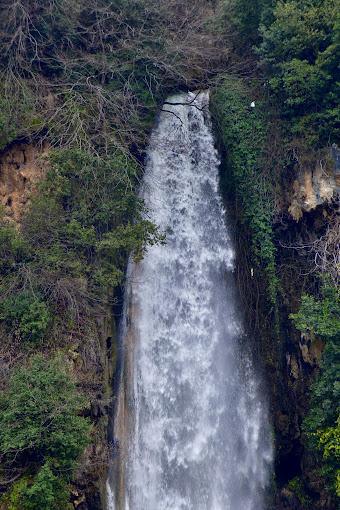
(193,428)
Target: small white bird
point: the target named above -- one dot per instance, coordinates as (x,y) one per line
(252,104)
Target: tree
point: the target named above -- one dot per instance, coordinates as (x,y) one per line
(321,425)
(300,49)
(39,418)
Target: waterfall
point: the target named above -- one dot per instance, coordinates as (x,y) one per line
(192,422)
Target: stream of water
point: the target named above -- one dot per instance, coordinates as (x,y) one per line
(192,428)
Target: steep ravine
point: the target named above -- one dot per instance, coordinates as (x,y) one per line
(291,361)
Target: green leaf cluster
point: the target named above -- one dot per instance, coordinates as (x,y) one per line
(297,43)
(40,422)
(245,18)
(243,132)
(81,226)
(322,423)
(320,317)
(46,491)
(28,315)
(300,46)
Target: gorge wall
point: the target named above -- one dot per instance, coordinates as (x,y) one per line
(289,218)
(81,85)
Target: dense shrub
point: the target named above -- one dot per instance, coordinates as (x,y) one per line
(322,424)
(298,49)
(39,414)
(245,17)
(319,317)
(74,241)
(301,51)
(45,491)
(243,132)
(40,423)
(26,315)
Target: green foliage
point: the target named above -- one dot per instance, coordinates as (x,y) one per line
(27,315)
(300,46)
(88,218)
(246,17)
(13,249)
(321,425)
(40,415)
(329,445)
(13,498)
(76,237)
(243,131)
(40,422)
(297,487)
(45,491)
(319,317)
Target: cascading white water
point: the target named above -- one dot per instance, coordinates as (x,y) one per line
(198,437)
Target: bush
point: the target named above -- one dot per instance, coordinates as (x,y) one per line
(321,425)
(319,317)
(45,491)
(26,315)
(246,17)
(13,249)
(300,50)
(40,423)
(40,415)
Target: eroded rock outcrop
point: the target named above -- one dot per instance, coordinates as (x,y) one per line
(22,166)
(316,183)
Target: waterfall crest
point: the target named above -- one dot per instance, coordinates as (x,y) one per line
(192,423)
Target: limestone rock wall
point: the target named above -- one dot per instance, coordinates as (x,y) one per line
(22,166)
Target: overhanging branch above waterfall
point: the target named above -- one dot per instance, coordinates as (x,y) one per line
(184,103)
(173,113)
(187,103)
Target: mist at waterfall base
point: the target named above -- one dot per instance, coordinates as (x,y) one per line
(200,438)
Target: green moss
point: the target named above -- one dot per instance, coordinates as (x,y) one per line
(243,131)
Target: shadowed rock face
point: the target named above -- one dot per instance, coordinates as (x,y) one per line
(191,424)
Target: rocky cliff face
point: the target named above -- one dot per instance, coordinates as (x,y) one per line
(307,201)
(22,166)
(309,207)
(316,183)
(95,370)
